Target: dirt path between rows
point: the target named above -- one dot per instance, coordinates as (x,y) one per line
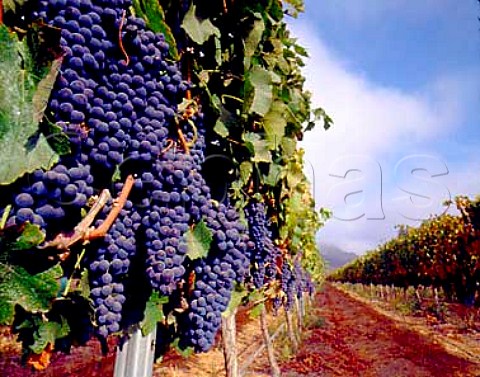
(347,338)
(355,340)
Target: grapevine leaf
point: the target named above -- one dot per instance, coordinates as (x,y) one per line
(11,5)
(289,146)
(198,241)
(294,7)
(275,174)
(220,128)
(153,14)
(31,236)
(256,310)
(32,292)
(225,121)
(300,50)
(294,178)
(218,52)
(253,39)
(274,124)
(184,352)
(42,55)
(197,29)
(48,333)
(246,170)
(57,140)
(234,303)
(258,147)
(295,203)
(153,313)
(22,148)
(255,296)
(320,114)
(260,80)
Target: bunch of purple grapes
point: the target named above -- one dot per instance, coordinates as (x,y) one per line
(116,97)
(288,285)
(215,276)
(265,254)
(53,200)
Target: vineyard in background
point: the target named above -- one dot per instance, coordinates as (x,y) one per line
(442,253)
(150,173)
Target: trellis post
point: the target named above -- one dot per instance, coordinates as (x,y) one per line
(136,356)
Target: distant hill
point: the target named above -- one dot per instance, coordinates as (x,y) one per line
(334,256)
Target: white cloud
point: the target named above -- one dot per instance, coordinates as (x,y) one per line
(375,127)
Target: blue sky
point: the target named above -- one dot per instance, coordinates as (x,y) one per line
(401,79)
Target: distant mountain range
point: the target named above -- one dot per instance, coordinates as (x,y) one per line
(334,256)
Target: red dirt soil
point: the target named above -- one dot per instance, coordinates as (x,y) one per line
(357,341)
(347,338)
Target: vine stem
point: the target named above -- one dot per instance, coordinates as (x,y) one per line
(82,231)
(112,216)
(183,141)
(1,12)
(170,144)
(120,41)
(195,132)
(231,97)
(63,241)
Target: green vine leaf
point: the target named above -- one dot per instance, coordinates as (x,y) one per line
(226,120)
(294,7)
(22,147)
(153,313)
(32,292)
(253,39)
(256,310)
(197,29)
(153,14)
(289,146)
(258,147)
(259,86)
(275,174)
(235,302)
(246,170)
(57,140)
(220,128)
(31,236)
(48,333)
(12,5)
(198,241)
(274,124)
(319,116)
(184,352)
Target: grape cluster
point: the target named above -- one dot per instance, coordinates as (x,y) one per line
(215,276)
(109,266)
(116,97)
(288,285)
(294,282)
(265,254)
(53,199)
(166,246)
(176,190)
(114,106)
(303,283)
